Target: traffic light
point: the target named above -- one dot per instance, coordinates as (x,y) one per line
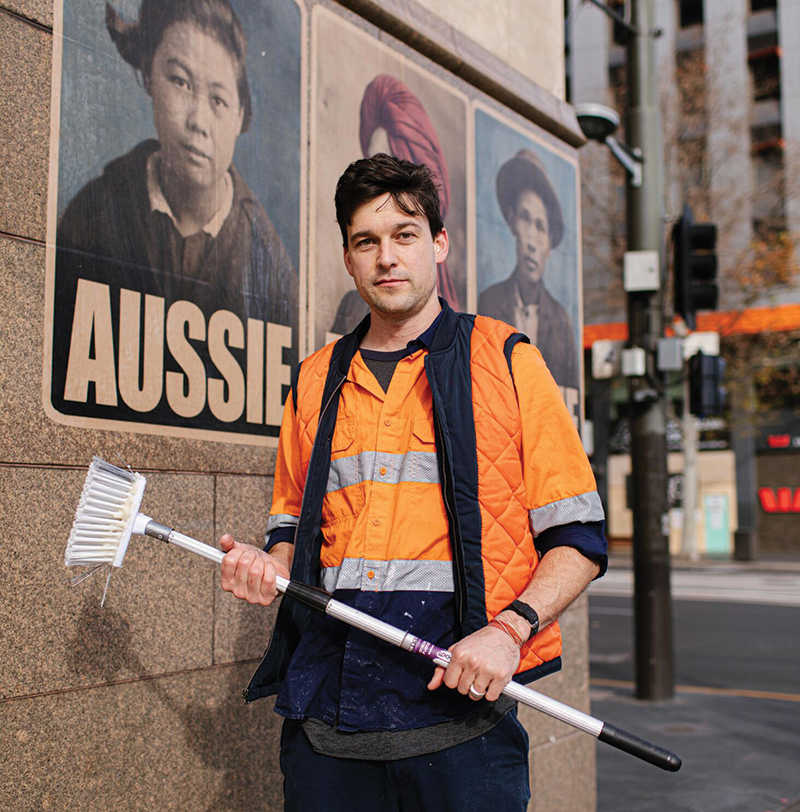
(706,395)
(695,267)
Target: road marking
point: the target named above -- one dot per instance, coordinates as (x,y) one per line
(777,589)
(697,689)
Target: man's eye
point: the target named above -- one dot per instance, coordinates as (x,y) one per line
(218,101)
(364,243)
(180,82)
(407,235)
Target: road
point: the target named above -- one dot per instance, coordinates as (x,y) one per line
(735,719)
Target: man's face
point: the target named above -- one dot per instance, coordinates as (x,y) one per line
(530,228)
(392,257)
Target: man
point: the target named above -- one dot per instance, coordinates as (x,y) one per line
(426,463)
(531,209)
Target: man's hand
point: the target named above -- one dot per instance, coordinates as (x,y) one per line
(485,660)
(249,572)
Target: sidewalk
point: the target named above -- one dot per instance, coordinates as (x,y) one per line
(739,754)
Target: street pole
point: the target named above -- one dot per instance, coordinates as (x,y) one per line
(651,563)
(690,484)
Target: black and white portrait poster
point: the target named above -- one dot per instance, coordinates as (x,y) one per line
(528,245)
(175,216)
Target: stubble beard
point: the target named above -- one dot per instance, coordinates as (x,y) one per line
(396,305)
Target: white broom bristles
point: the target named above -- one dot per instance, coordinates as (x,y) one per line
(104,519)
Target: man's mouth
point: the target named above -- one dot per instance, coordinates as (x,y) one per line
(389,283)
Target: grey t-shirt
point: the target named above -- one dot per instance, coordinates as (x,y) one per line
(388,745)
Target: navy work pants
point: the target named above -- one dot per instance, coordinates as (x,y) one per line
(489,772)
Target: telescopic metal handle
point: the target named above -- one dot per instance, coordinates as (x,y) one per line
(145,525)
(322,602)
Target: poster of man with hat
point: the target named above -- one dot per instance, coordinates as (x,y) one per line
(535,221)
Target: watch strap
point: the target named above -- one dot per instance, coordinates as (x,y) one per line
(527,612)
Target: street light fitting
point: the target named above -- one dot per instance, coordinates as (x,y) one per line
(599,123)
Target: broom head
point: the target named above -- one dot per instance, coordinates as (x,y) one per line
(105,516)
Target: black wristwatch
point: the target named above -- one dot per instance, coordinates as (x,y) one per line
(528,612)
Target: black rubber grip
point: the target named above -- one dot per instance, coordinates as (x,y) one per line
(640,748)
(316,600)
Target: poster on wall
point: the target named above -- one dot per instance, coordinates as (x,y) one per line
(375,101)
(527,228)
(175,229)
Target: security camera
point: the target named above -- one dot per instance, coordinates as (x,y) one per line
(597,121)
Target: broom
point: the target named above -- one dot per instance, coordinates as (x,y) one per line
(108,514)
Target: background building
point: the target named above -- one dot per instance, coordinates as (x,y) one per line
(138,705)
(728,84)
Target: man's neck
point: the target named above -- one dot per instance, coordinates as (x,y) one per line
(529,291)
(388,335)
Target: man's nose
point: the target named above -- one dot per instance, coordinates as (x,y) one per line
(387,257)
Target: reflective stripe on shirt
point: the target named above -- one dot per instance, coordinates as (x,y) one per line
(389,576)
(586,507)
(413,466)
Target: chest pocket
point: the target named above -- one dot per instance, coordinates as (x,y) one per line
(343,435)
(423,435)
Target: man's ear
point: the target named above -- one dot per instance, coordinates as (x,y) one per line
(346,255)
(441,246)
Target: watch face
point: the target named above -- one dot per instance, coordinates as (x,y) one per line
(529,613)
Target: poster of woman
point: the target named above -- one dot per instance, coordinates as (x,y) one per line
(377,101)
(176,261)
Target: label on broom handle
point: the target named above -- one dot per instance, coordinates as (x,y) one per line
(441,656)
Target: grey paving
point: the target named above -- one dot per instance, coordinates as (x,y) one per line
(736,634)
(739,755)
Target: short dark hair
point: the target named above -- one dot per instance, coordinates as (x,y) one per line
(137,41)
(411,186)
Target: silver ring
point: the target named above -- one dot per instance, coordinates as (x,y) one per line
(476,694)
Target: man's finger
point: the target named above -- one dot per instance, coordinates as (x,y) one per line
(453,675)
(436,679)
(267,586)
(477,691)
(228,567)
(495,689)
(227,543)
(254,575)
(466,681)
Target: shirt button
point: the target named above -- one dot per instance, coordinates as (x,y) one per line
(370,575)
(383,470)
(387,422)
(376,522)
